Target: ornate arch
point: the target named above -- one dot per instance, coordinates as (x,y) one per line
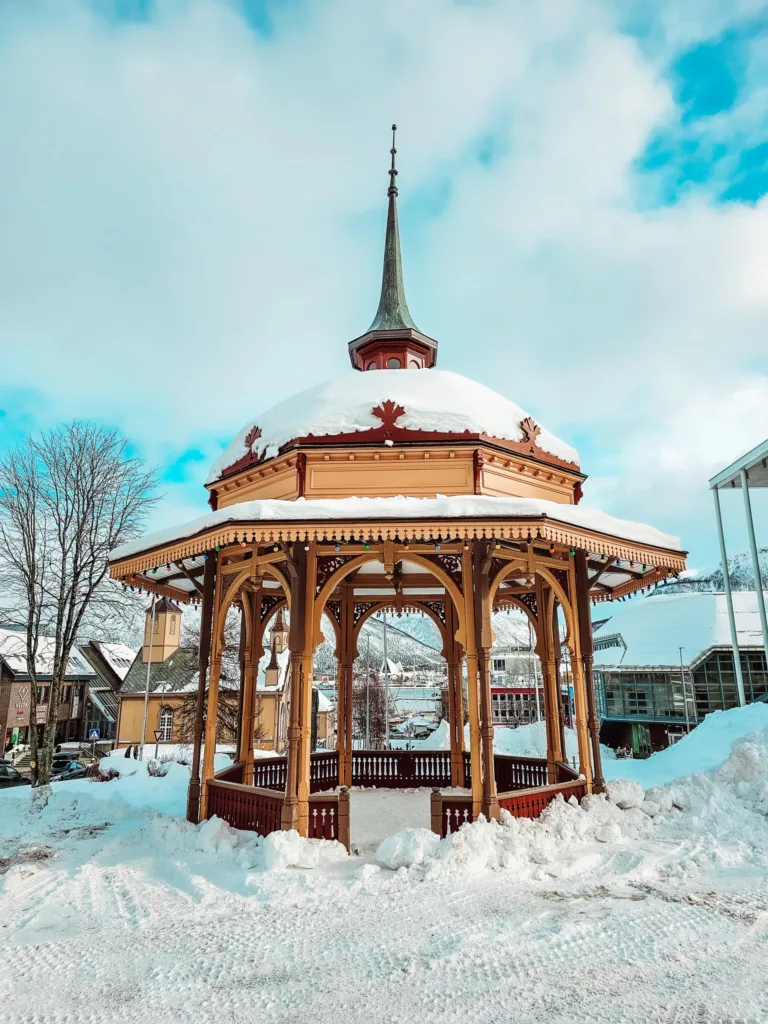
(440,574)
(571,632)
(392,603)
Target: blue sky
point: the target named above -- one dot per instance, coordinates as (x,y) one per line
(192,195)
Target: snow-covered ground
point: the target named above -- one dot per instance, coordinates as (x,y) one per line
(650,907)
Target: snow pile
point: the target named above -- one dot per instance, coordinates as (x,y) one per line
(708,819)
(175,837)
(705,747)
(410,846)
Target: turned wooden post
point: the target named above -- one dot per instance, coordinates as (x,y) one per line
(473,695)
(436,811)
(252,656)
(344,816)
(302,572)
(546,653)
(558,661)
(585,639)
(344,684)
(481,564)
(579,687)
(453,655)
(209,578)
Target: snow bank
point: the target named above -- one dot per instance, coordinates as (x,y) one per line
(705,820)
(410,846)
(705,747)
(524,741)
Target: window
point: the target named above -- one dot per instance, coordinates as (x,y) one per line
(414,364)
(371,365)
(165,725)
(156,626)
(66,694)
(499,665)
(393,363)
(172,627)
(42,694)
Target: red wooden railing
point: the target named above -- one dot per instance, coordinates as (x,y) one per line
(449,813)
(257,810)
(519,772)
(270,772)
(323,771)
(565,773)
(529,803)
(233,773)
(401,769)
(329,817)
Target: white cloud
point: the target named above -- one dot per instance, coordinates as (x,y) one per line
(192,220)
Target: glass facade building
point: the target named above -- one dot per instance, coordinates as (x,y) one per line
(668,695)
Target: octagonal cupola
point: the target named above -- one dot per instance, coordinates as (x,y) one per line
(393,341)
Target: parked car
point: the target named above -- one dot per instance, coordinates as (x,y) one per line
(73,770)
(10,777)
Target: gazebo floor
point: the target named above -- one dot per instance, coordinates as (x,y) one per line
(375,814)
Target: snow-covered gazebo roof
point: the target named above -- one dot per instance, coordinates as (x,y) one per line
(433,400)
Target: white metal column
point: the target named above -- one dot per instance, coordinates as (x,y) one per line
(755,560)
(729,600)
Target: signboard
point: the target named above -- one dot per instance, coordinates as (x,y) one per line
(93,734)
(42,714)
(158,735)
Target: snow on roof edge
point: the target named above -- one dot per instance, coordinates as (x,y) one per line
(441,507)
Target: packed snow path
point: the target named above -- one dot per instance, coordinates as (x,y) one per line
(650,908)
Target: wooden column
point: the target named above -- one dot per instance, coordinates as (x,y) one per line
(453,655)
(209,578)
(579,688)
(481,564)
(241,670)
(302,571)
(253,653)
(546,652)
(212,709)
(585,638)
(344,684)
(558,678)
(473,701)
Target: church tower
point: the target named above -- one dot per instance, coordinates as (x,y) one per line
(163,631)
(279,642)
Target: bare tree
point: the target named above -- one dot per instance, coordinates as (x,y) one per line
(67,499)
(369,707)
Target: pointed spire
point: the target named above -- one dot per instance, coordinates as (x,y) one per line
(393,312)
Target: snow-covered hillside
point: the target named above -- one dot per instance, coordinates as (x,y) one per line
(740,572)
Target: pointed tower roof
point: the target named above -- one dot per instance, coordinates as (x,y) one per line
(279,626)
(393,312)
(393,340)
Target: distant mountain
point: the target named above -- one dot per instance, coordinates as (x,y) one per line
(414,641)
(740,574)
(402,646)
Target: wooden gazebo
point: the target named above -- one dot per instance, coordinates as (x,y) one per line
(462,504)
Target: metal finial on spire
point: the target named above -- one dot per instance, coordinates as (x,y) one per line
(392,190)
